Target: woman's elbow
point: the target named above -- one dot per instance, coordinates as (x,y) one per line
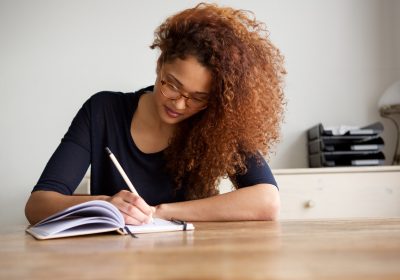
(37,206)
(271,204)
(274,210)
(29,211)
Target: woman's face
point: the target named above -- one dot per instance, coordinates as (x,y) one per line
(182,89)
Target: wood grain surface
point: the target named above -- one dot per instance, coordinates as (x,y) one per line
(316,249)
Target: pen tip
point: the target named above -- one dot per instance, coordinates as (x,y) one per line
(108,150)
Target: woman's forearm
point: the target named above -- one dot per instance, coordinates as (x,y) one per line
(259,202)
(42,204)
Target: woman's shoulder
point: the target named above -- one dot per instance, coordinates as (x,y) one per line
(114,99)
(107,97)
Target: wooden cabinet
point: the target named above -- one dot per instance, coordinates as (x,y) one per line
(346,192)
(339,192)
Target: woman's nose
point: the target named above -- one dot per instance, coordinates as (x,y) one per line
(180,103)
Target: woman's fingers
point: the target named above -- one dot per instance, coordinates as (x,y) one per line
(134,209)
(134,212)
(130,220)
(138,202)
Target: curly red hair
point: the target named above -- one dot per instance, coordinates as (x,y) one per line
(246,105)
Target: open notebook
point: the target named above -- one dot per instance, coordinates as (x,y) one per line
(96,216)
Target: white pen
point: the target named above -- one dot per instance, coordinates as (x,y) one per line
(124,176)
(121,171)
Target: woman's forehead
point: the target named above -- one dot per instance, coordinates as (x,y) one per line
(188,73)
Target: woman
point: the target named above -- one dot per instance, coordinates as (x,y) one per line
(214,110)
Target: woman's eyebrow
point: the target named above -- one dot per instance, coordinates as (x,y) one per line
(181,85)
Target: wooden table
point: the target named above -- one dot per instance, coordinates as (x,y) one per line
(321,249)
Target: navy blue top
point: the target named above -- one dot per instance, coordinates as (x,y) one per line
(105,120)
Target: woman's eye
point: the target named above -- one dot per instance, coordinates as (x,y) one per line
(173,87)
(198,100)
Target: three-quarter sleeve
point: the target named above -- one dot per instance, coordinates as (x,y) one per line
(70,161)
(258,172)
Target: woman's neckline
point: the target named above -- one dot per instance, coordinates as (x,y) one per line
(129,128)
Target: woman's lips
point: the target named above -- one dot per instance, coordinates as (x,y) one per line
(171,113)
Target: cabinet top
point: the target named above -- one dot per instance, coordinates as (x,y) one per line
(321,170)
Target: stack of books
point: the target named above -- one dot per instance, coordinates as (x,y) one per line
(345,146)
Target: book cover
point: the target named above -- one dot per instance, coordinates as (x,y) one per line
(96,216)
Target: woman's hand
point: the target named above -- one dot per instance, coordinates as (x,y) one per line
(134,209)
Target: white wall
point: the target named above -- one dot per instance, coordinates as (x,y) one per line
(340,56)
(392,10)
(396,32)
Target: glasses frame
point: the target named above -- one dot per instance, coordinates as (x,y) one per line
(165,83)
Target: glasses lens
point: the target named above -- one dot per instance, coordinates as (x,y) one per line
(196,103)
(169,90)
(172,92)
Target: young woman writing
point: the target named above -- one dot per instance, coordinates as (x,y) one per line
(214,111)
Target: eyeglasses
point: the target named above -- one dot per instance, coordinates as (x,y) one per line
(172,92)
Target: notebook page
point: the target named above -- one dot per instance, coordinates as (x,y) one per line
(159,225)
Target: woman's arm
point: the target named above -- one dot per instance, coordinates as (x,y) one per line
(42,204)
(259,202)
